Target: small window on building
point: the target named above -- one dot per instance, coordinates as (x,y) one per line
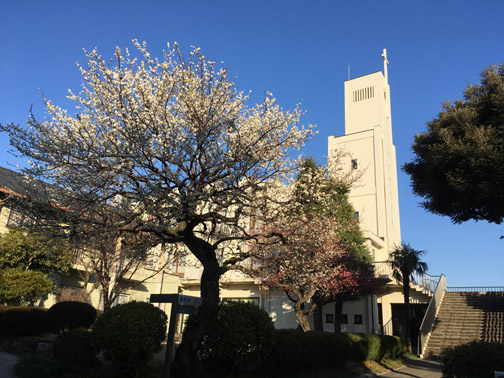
(354,164)
(357,319)
(357,216)
(344,319)
(329,318)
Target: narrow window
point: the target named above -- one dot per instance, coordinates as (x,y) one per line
(329,318)
(354,164)
(357,319)
(357,216)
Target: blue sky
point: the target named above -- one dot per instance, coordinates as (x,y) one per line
(299,51)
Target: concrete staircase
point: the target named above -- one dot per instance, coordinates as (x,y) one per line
(464,317)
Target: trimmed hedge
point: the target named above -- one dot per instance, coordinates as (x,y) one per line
(286,353)
(391,347)
(373,347)
(16,321)
(295,350)
(365,346)
(476,359)
(340,349)
(70,315)
(314,347)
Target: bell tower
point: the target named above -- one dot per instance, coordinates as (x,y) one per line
(368,139)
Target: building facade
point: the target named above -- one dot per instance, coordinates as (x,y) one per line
(368,140)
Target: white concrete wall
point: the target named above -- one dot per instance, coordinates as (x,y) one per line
(368,138)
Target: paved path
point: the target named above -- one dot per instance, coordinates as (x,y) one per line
(7,362)
(417,369)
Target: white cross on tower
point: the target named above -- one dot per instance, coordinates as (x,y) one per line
(385,64)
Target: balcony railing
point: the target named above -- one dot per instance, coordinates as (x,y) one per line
(382,269)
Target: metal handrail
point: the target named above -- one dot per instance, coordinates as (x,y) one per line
(430,314)
(426,281)
(473,289)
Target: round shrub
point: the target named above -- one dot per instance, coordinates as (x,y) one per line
(70,315)
(130,334)
(477,359)
(75,349)
(241,338)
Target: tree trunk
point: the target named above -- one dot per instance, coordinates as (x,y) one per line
(318,322)
(107,303)
(187,363)
(301,316)
(407,330)
(338,312)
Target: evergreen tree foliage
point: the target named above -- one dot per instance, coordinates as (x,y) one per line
(28,250)
(26,261)
(23,287)
(459,161)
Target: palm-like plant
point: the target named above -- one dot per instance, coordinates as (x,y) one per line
(404,261)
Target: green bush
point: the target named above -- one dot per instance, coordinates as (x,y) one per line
(295,350)
(313,345)
(365,346)
(285,354)
(70,315)
(240,339)
(23,287)
(474,360)
(74,349)
(391,347)
(22,321)
(130,334)
(339,349)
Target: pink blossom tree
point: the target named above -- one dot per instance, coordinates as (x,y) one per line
(315,256)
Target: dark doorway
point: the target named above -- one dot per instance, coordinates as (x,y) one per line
(417,312)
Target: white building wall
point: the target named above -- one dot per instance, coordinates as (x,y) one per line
(368,139)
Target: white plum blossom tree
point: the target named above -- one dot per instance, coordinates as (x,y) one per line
(167,147)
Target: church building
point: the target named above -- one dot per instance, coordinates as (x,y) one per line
(368,140)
